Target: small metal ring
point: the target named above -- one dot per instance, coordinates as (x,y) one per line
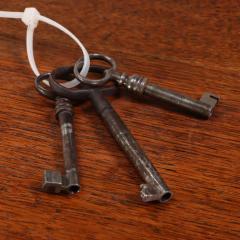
(107,72)
(43,91)
(75,94)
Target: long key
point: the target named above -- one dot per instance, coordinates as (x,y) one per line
(203,107)
(154,187)
(54,182)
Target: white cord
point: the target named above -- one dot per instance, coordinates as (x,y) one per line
(31,17)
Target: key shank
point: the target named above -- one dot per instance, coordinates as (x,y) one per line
(53,180)
(138,84)
(154,187)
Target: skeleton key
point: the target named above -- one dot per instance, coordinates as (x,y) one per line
(53,181)
(139,84)
(154,187)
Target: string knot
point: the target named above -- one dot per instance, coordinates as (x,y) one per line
(31,17)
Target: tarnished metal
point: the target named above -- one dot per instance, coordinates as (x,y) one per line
(139,84)
(107,71)
(54,182)
(154,188)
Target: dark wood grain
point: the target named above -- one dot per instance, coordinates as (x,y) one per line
(189,46)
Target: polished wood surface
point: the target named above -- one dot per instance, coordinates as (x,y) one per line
(188,46)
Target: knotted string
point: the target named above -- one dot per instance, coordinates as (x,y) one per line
(31,17)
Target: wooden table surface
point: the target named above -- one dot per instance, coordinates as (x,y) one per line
(188,46)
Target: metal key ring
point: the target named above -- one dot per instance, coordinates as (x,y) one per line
(75,94)
(43,91)
(107,72)
(65,72)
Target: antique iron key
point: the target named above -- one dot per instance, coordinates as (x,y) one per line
(139,84)
(53,181)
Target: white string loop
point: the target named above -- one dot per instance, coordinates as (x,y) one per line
(31,17)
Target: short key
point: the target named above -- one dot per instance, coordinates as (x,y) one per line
(54,182)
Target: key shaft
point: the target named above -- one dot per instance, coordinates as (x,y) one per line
(138,84)
(54,182)
(154,188)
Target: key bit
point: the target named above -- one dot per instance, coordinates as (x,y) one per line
(53,181)
(138,84)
